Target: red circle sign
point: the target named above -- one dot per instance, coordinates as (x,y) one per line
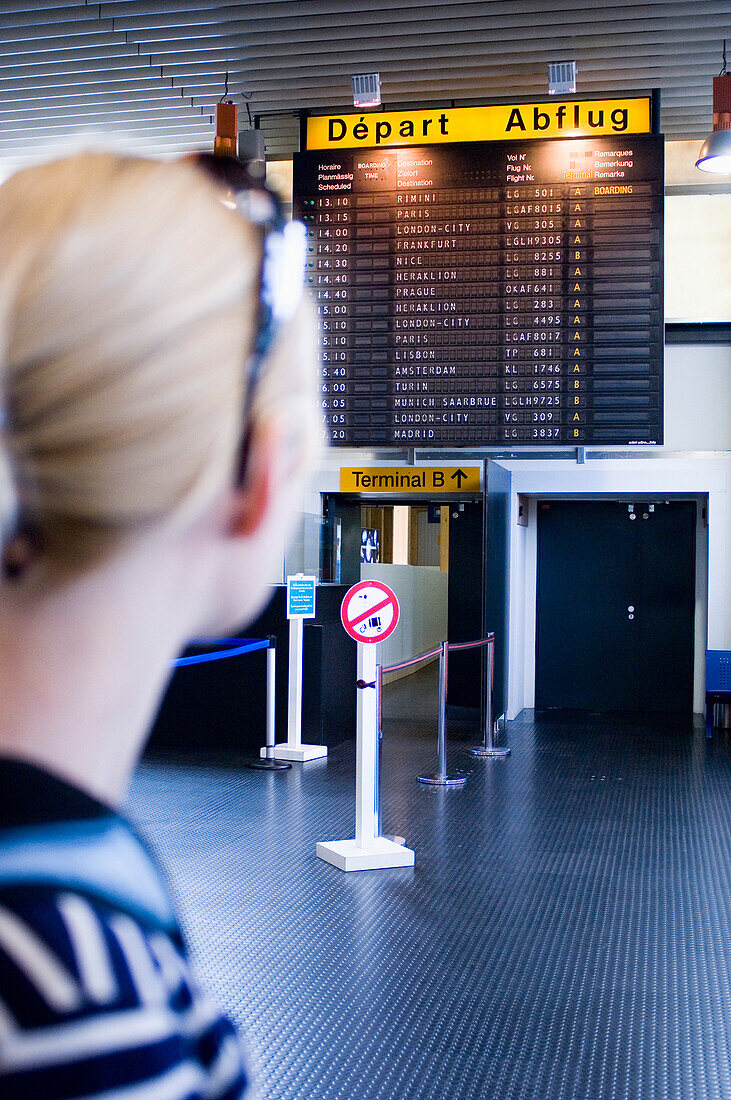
(369,611)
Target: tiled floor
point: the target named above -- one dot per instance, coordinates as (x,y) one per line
(564,935)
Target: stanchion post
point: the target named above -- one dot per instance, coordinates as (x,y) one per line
(489,672)
(271,697)
(267,761)
(440,778)
(442,717)
(488,750)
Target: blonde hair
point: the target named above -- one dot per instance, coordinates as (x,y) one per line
(128,298)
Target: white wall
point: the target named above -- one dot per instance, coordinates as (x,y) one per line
(698,397)
(427,539)
(697,247)
(422,596)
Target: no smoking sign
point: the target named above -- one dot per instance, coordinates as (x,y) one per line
(369,611)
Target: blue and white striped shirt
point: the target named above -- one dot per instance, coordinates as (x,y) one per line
(97,999)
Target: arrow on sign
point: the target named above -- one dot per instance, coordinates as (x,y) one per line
(459,474)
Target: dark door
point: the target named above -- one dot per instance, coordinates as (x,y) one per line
(464,603)
(616,605)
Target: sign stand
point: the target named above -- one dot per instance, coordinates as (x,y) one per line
(300,606)
(368,850)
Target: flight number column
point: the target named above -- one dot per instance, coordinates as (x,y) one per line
(535,324)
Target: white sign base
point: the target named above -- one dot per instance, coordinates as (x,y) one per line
(284,751)
(346,855)
(367,851)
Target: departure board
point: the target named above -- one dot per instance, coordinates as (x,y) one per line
(489,293)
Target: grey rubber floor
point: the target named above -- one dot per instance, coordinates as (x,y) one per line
(565,934)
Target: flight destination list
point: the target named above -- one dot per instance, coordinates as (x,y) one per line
(489,293)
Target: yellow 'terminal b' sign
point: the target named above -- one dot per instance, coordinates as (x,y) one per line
(410,479)
(506,122)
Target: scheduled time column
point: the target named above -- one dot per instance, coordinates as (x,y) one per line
(331,240)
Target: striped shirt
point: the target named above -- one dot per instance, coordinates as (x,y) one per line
(97,999)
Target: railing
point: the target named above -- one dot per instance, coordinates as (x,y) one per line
(235,647)
(224,647)
(488,749)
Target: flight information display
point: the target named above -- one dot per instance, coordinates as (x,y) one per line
(489,293)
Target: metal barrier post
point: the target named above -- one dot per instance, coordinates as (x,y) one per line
(488,750)
(271,698)
(267,761)
(440,778)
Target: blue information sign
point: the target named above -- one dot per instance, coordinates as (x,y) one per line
(301,597)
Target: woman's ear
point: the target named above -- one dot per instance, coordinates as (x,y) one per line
(252,501)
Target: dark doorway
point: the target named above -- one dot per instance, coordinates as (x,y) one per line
(465,607)
(616,605)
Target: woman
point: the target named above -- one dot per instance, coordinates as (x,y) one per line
(159,415)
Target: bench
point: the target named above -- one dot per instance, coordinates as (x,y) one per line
(718,682)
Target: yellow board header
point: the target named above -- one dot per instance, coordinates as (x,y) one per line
(409,479)
(507,122)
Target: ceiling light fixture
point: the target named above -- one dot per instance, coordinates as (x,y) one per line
(715,154)
(225,141)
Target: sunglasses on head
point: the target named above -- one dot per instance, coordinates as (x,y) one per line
(282,272)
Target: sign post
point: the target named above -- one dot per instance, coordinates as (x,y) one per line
(300,606)
(369,613)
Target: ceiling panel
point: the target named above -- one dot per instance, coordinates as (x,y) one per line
(153,70)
